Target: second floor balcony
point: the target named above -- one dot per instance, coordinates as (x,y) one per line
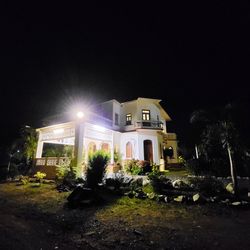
(145,124)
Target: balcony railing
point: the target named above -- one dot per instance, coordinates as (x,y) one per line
(149,124)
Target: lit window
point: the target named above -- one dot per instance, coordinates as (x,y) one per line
(145,115)
(129,150)
(128,119)
(105,147)
(116,119)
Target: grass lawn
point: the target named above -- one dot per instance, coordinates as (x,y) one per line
(176,172)
(38,218)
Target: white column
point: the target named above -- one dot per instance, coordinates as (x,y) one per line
(79,142)
(112,149)
(39,149)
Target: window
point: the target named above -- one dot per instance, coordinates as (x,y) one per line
(91,148)
(145,115)
(128,119)
(116,119)
(105,147)
(129,150)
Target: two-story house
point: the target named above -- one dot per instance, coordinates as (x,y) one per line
(135,129)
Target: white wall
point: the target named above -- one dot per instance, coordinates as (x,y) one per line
(137,141)
(129,137)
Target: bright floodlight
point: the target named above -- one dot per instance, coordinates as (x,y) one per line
(80,114)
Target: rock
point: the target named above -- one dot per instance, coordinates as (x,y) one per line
(226,201)
(151,196)
(45,181)
(145,181)
(179,198)
(230,188)
(196,197)
(137,232)
(131,194)
(167,199)
(89,233)
(141,195)
(236,203)
(81,195)
(178,183)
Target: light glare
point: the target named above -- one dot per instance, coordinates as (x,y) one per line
(99,128)
(80,114)
(58,131)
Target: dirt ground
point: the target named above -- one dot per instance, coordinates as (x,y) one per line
(38,218)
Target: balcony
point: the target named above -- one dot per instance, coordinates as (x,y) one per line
(149,124)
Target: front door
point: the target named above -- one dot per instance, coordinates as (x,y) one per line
(148,150)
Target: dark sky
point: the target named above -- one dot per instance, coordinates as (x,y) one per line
(189,55)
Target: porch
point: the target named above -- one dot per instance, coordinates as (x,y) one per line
(48,165)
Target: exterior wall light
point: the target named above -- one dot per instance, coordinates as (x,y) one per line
(80,114)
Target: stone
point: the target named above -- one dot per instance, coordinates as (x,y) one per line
(236,203)
(230,188)
(167,199)
(178,183)
(179,198)
(196,197)
(137,232)
(81,195)
(151,196)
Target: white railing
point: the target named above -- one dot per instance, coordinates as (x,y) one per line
(52,161)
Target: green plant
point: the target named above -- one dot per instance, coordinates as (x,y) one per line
(96,168)
(24,180)
(207,186)
(117,157)
(39,176)
(137,167)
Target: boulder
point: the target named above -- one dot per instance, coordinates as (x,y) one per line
(178,183)
(81,195)
(180,198)
(230,188)
(196,197)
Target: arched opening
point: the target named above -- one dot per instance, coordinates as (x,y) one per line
(105,147)
(91,148)
(148,150)
(129,154)
(168,152)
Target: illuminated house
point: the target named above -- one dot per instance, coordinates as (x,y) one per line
(136,129)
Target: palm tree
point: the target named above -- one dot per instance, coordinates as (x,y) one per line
(220,132)
(198,119)
(29,138)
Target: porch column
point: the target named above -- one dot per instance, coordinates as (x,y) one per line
(78,151)
(39,149)
(112,149)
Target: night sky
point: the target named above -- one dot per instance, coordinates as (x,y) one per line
(189,55)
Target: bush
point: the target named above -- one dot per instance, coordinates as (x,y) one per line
(201,166)
(39,176)
(3,172)
(207,186)
(66,176)
(136,167)
(13,170)
(96,168)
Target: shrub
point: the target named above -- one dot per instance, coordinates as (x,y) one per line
(207,186)
(13,170)
(136,167)
(3,173)
(66,176)
(96,168)
(202,166)
(39,176)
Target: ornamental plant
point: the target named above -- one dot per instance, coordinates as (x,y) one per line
(39,176)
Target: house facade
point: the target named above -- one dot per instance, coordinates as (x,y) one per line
(135,130)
